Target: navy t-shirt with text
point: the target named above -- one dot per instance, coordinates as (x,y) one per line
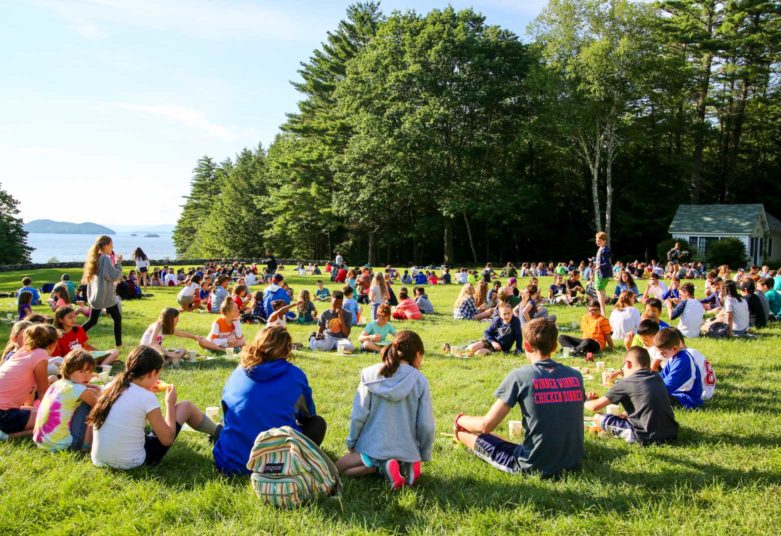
(550,396)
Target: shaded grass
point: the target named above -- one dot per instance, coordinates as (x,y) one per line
(724,475)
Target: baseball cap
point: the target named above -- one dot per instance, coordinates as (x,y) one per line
(512,281)
(278,277)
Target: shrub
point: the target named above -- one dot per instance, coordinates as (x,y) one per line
(730,251)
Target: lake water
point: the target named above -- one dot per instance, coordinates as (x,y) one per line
(73,247)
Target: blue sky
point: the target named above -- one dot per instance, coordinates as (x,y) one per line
(105,105)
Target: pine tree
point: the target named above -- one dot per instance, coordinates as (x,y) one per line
(13,237)
(203,188)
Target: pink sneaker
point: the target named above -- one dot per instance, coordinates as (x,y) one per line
(393,474)
(413,473)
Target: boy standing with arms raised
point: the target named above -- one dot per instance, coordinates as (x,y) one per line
(550,396)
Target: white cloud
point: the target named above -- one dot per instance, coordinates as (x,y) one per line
(205,19)
(179,114)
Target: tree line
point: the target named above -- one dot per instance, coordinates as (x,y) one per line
(437,137)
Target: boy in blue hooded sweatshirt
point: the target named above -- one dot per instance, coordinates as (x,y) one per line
(274,292)
(392,420)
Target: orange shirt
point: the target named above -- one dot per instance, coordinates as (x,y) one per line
(595,328)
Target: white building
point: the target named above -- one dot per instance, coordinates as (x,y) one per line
(702,225)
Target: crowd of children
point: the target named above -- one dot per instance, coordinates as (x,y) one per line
(46,370)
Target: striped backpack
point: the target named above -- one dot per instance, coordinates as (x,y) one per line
(289,469)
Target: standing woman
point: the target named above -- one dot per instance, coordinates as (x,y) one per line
(142,267)
(100,273)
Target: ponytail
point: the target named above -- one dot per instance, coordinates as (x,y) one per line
(406,346)
(141,361)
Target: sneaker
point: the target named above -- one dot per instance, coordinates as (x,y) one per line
(392,470)
(3,436)
(412,471)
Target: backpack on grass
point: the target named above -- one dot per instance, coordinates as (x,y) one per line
(289,469)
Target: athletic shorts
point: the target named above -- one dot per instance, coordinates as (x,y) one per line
(143,270)
(13,420)
(497,452)
(155,451)
(619,427)
(186,301)
(601,283)
(368,461)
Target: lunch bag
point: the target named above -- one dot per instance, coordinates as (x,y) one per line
(289,469)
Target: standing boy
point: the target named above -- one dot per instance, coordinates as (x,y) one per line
(603,272)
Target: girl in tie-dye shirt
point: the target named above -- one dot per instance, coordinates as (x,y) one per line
(61,422)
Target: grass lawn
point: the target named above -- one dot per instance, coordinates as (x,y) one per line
(723,475)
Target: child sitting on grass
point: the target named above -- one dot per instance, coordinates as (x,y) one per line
(73,337)
(15,339)
(653,310)
(350,305)
(24,306)
(27,287)
(407,309)
(226,330)
(124,408)
(305,309)
(61,298)
(624,319)
(372,338)
(333,328)
(219,294)
(61,421)
(154,336)
(322,294)
(422,301)
(279,311)
(504,331)
(22,375)
(650,418)
(644,338)
(189,298)
(596,333)
(392,420)
(550,397)
(682,377)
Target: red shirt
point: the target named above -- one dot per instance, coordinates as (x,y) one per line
(341,275)
(68,340)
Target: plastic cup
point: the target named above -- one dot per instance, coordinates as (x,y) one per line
(605,376)
(10,316)
(600,365)
(341,348)
(191,355)
(567,351)
(613,409)
(516,428)
(213,412)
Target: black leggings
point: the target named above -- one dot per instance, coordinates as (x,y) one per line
(313,427)
(115,315)
(581,346)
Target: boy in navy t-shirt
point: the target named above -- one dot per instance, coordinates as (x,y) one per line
(504,331)
(550,396)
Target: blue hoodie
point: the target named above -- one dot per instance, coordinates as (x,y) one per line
(267,396)
(272,293)
(392,418)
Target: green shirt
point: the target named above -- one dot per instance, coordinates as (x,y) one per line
(373,328)
(774,301)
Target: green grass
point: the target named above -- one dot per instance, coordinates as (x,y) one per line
(724,474)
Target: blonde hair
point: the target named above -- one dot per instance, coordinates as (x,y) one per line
(379,280)
(93,256)
(467,291)
(271,343)
(624,300)
(15,330)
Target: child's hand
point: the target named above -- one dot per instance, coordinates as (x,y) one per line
(170,395)
(496,346)
(591,395)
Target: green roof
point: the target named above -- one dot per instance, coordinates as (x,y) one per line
(716,219)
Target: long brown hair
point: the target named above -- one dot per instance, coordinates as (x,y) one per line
(59,314)
(270,344)
(406,346)
(481,293)
(141,361)
(75,361)
(167,317)
(93,256)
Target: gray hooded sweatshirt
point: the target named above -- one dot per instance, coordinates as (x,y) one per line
(100,290)
(392,418)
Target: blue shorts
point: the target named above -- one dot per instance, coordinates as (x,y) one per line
(368,461)
(619,427)
(497,452)
(13,420)
(78,426)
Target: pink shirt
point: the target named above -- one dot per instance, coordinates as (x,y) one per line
(17,377)
(409,308)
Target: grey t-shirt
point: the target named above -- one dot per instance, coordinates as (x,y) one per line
(551,397)
(645,399)
(332,325)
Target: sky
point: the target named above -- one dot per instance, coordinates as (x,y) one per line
(106,105)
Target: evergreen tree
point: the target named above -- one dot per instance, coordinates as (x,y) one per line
(13,237)
(198,205)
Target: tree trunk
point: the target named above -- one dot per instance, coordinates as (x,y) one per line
(469,235)
(592,156)
(449,248)
(695,180)
(611,149)
(370,253)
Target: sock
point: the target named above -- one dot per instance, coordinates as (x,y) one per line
(208,426)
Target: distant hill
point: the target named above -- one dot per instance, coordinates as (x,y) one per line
(64,227)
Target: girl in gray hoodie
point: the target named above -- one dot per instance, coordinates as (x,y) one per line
(392,420)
